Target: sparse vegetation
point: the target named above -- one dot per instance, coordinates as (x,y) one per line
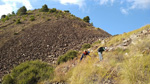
(86,19)
(32,18)
(18,21)
(120,66)
(44,8)
(68,56)
(67,11)
(118,38)
(52,10)
(86,46)
(22,11)
(16,33)
(91,23)
(14,20)
(3,19)
(6,18)
(97,42)
(30,72)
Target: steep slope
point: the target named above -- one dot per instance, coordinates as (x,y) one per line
(126,62)
(44,39)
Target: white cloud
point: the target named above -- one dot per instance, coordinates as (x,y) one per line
(124,11)
(127,5)
(136,4)
(6,8)
(104,2)
(80,3)
(139,4)
(11,5)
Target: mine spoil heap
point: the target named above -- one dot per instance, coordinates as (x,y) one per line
(46,41)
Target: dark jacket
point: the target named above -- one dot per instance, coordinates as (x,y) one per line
(101,49)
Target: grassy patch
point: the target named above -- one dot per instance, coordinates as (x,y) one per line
(136,70)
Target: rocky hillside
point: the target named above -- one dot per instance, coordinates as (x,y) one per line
(45,38)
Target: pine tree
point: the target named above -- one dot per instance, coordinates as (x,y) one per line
(44,8)
(86,19)
(22,11)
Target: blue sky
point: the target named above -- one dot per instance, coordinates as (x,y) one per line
(113,16)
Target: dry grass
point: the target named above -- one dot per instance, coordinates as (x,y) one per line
(120,66)
(115,40)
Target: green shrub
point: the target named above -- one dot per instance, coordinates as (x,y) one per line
(23,29)
(18,21)
(52,10)
(67,11)
(30,72)
(9,15)
(14,20)
(32,18)
(86,46)
(8,79)
(91,23)
(3,19)
(6,18)
(68,56)
(16,33)
(22,11)
(37,15)
(44,8)
(86,19)
(97,42)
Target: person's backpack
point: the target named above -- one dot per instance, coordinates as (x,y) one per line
(101,49)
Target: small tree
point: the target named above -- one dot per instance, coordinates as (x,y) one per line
(13,13)
(22,11)
(86,19)
(44,8)
(3,16)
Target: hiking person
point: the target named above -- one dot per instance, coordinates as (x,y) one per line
(84,53)
(100,50)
